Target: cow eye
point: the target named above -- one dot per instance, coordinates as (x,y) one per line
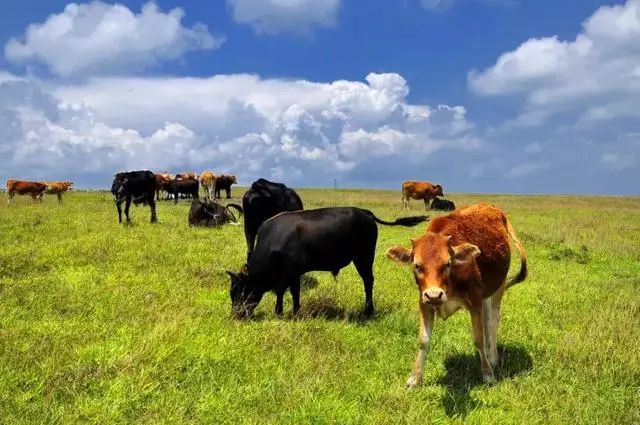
(417,268)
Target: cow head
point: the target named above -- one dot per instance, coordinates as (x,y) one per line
(233,179)
(245,296)
(439,191)
(434,260)
(68,185)
(118,187)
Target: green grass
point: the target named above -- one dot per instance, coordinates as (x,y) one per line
(104,323)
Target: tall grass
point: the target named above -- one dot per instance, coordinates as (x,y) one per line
(104,323)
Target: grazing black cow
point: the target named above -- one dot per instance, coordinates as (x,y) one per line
(293,243)
(262,201)
(224,182)
(210,213)
(139,186)
(189,187)
(442,204)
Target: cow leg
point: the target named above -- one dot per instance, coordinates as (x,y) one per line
(175,201)
(152,205)
(228,190)
(364,266)
(479,315)
(426,203)
(119,207)
(127,205)
(424,339)
(280,300)
(294,288)
(494,324)
(59,198)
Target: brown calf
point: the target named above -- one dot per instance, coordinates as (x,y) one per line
(208,181)
(21,187)
(162,181)
(58,188)
(462,262)
(420,190)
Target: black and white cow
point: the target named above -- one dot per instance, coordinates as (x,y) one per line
(293,243)
(136,186)
(262,201)
(209,213)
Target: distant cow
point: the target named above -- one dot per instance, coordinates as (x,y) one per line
(139,186)
(224,182)
(462,262)
(442,204)
(22,187)
(293,243)
(262,201)
(162,181)
(58,188)
(208,181)
(420,190)
(209,213)
(189,187)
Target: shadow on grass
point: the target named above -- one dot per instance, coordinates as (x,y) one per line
(327,309)
(463,375)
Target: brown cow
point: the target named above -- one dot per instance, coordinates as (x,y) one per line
(21,187)
(463,261)
(208,181)
(420,190)
(186,176)
(58,188)
(162,181)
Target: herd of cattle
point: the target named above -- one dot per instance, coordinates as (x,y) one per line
(461,261)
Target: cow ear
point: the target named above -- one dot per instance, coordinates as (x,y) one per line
(464,253)
(234,277)
(400,254)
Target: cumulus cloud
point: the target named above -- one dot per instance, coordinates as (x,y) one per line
(281,16)
(312,132)
(596,75)
(101,38)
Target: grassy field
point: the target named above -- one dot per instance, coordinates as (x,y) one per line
(103,323)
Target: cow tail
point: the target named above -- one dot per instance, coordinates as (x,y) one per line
(237,207)
(402,221)
(522,274)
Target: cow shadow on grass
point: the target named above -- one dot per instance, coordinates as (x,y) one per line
(463,375)
(326,308)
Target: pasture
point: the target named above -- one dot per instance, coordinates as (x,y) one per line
(104,323)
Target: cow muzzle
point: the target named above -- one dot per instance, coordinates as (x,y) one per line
(434,296)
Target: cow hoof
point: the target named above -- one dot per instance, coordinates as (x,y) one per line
(489,379)
(412,382)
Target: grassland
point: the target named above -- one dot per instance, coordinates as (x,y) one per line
(103,323)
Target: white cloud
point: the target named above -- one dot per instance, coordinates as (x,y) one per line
(240,123)
(597,75)
(100,38)
(523,170)
(534,147)
(617,161)
(279,16)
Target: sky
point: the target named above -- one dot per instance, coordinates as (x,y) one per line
(493,96)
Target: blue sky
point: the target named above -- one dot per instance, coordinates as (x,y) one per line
(479,95)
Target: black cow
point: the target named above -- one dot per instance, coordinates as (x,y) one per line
(262,201)
(223,182)
(293,243)
(210,213)
(139,186)
(442,204)
(189,187)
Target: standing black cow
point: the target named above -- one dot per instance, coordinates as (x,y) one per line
(139,186)
(293,243)
(189,187)
(262,201)
(223,182)
(442,204)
